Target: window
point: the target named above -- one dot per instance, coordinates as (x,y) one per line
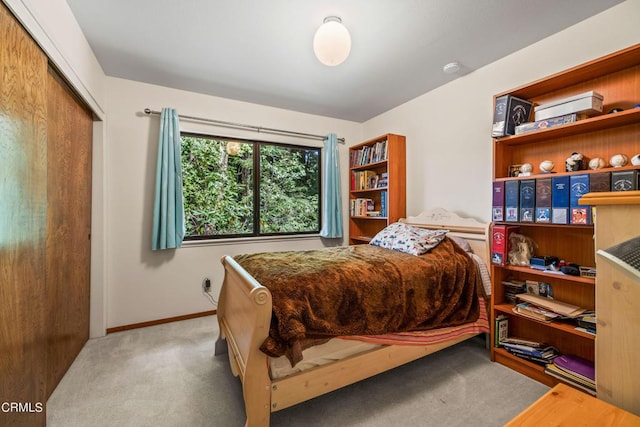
(241,188)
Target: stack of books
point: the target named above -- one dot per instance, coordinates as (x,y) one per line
(575,371)
(534,351)
(545,309)
(512,288)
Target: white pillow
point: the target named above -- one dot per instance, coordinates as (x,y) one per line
(405,238)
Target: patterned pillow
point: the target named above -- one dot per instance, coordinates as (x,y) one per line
(405,238)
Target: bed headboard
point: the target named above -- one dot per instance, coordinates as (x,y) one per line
(474,231)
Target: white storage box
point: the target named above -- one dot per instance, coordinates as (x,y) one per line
(587,103)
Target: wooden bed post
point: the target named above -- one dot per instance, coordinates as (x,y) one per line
(244,316)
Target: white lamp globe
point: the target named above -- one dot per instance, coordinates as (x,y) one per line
(332,42)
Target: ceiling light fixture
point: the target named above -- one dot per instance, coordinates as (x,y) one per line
(332,42)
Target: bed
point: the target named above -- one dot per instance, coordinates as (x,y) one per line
(246,317)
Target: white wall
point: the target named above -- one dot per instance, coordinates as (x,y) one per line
(145,285)
(449,152)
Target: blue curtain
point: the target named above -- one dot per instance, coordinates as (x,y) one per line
(332,202)
(168,211)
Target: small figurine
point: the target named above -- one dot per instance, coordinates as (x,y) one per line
(574,162)
(635,160)
(597,163)
(546,166)
(526,169)
(619,160)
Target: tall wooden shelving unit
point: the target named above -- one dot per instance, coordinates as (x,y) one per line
(616,77)
(361,227)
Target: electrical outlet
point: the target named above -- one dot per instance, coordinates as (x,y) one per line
(206,285)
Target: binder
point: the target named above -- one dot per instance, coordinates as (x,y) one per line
(543,200)
(512,200)
(527,200)
(560,199)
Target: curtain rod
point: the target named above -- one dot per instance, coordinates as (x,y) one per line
(258,129)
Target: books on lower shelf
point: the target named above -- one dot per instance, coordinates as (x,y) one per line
(537,352)
(574,370)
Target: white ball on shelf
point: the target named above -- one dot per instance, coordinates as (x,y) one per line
(547,166)
(618,160)
(635,160)
(597,163)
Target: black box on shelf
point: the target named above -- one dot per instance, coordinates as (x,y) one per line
(624,180)
(509,112)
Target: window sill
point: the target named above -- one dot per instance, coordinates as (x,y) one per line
(241,240)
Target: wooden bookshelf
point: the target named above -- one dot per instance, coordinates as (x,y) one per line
(390,160)
(616,77)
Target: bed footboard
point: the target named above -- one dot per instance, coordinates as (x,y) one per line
(244,315)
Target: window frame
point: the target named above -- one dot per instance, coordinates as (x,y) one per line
(256,234)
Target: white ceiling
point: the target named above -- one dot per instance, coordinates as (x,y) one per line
(261,51)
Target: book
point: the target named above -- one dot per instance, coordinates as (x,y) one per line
(498,201)
(546,352)
(579,186)
(624,180)
(560,199)
(556,372)
(539,360)
(560,308)
(533,311)
(577,366)
(527,200)
(512,200)
(543,200)
(525,342)
(501,329)
(383,203)
(500,242)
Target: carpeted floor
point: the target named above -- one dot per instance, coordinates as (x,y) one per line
(167,375)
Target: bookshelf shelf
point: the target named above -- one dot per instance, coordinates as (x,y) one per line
(615,77)
(558,276)
(388,153)
(559,325)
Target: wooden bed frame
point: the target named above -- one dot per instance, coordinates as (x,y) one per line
(244,315)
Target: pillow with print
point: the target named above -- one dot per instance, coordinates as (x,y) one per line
(406,238)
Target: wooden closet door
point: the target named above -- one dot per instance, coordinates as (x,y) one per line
(69,130)
(23,210)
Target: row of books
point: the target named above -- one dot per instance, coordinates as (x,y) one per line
(555,199)
(369,154)
(361,206)
(366,207)
(367,180)
(571,369)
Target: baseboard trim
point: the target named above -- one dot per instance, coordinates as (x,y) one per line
(160,321)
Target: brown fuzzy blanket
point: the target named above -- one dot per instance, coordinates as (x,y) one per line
(362,290)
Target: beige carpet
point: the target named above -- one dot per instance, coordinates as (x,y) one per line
(167,375)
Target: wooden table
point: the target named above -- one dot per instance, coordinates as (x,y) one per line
(566,406)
